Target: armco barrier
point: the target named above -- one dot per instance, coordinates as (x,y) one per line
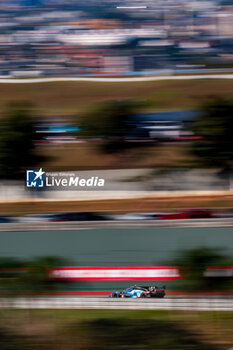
(198,304)
(79,225)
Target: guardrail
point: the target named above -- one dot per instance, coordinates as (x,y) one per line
(116,79)
(78,225)
(198,304)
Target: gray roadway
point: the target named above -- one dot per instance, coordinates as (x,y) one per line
(108,224)
(201,304)
(113,243)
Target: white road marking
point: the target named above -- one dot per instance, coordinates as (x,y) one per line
(115,80)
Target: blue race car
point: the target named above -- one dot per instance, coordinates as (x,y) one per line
(140,292)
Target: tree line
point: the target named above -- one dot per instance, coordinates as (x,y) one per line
(112,122)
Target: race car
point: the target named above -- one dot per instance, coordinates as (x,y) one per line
(140,292)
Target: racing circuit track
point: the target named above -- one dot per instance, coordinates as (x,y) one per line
(184,303)
(110,224)
(115,80)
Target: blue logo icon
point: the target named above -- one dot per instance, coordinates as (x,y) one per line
(35,178)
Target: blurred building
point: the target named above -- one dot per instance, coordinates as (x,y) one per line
(75,38)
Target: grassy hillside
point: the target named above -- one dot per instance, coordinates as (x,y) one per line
(99,329)
(71,97)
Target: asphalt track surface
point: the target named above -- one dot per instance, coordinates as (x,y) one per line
(184,303)
(115,80)
(85,244)
(80,225)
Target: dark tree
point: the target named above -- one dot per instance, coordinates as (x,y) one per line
(36,278)
(111,122)
(193,263)
(16,140)
(215,127)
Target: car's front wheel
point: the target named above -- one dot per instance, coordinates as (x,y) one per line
(115,295)
(143,295)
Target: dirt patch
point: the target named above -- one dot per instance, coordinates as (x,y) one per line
(121,205)
(61,98)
